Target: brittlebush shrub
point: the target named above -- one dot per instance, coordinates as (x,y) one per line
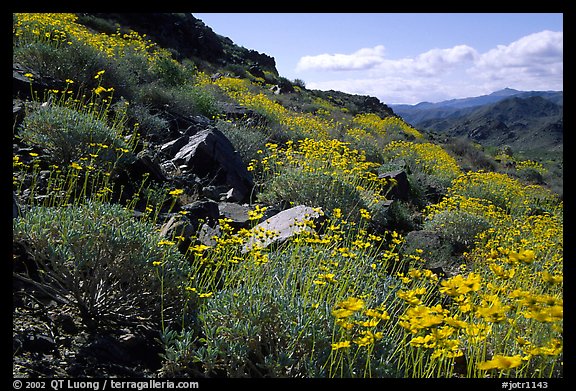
(68,135)
(458,227)
(184,100)
(114,268)
(286,317)
(297,186)
(505,192)
(246,139)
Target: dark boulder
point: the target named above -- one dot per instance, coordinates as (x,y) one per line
(209,154)
(397,187)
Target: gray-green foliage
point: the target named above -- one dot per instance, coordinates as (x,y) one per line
(78,62)
(101,258)
(67,134)
(254,331)
(184,99)
(247,140)
(313,189)
(276,322)
(458,227)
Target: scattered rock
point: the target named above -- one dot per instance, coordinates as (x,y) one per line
(210,154)
(238,214)
(282,88)
(144,164)
(206,210)
(398,188)
(285,224)
(216,193)
(206,234)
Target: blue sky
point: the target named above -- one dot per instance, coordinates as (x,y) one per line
(405,57)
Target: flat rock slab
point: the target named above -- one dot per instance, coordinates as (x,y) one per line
(284,224)
(235,212)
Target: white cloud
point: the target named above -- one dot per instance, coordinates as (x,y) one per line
(391,90)
(430,63)
(544,47)
(364,58)
(533,62)
(439,60)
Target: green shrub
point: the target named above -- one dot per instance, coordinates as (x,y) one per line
(98,23)
(458,227)
(471,156)
(68,135)
(169,72)
(150,123)
(238,70)
(252,332)
(398,216)
(426,188)
(127,73)
(296,186)
(187,100)
(276,319)
(76,62)
(505,192)
(247,139)
(111,266)
(299,83)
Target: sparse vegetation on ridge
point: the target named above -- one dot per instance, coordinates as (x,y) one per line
(118,245)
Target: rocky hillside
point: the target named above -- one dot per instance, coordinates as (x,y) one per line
(525,120)
(181,210)
(182,147)
(523,123)
(186,36)
(457,107)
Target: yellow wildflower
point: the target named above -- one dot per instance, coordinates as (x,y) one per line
(352,303)
(501,362)
(340,345)
(165,242)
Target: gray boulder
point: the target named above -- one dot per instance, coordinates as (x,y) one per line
(284,225)
(209,154)
(235,212)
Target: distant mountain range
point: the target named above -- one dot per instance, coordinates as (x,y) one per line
(521,119)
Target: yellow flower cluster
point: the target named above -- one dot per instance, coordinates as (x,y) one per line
(59,28)
(331,157)
(501,304)
(299,124)
(371,125)
(357,323)
(523,165)
(429,158)
(505,192)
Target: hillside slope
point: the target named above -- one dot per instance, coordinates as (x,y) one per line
(523,123)
(416,114)
(181,211)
